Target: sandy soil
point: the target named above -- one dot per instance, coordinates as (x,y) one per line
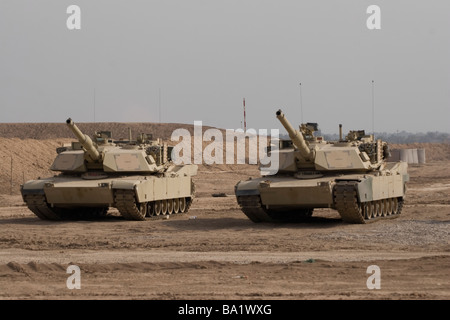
(215,252)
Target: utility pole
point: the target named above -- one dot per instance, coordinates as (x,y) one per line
(94,105)
(11,175)
(301,104)
(245,121)
(373,108)
(159,104)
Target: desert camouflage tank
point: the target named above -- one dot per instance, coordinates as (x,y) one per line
(350,175)
(136,177)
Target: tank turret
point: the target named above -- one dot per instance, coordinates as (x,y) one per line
(358,152)
(101,153)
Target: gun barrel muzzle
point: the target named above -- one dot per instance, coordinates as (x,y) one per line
(295,135)
(85,141)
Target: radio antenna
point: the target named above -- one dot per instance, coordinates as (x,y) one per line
(245,120)
(94,105)
(159,105)
(301,104)
(373,108)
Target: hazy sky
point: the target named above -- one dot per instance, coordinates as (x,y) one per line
(197,60)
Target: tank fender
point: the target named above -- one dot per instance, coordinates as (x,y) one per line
(34,187)
(364,190)
(157,188)
(373,188)
(184,170)
(126,185)
(247,188)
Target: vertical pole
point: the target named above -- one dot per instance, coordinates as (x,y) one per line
(11,175)
(245,121)
(94,105)
(301,104)
(373,108)
(159,104)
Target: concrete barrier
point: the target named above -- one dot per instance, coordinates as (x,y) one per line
(412,156)
(421,156)
(404,155)
(395,155)
(415,158)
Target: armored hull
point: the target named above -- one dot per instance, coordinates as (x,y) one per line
(359,198)
(135,196)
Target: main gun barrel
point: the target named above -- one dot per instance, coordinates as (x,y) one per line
(296,137)
(85,141)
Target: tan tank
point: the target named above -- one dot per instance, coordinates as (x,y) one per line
(350,175)
(136,177)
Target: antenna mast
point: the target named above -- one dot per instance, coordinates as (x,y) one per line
(301,104)
(245,121)
(94,105)
(373,108)
(159,104)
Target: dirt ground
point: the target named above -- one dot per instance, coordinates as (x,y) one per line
(214,252)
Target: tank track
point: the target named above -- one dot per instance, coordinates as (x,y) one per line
(37,204)
(256,212)
(125,202)
(351,211)
(253,209)
(346,203)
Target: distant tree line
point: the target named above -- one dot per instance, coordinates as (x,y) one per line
(401,137)
(406,137)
